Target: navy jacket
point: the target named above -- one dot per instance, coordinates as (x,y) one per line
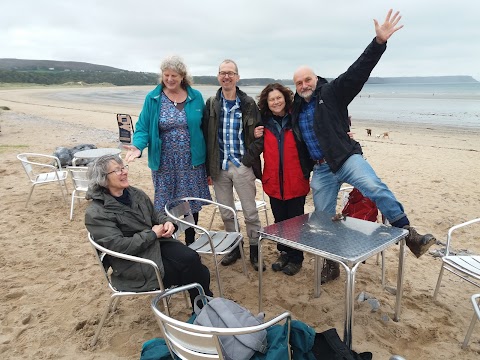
(331,122)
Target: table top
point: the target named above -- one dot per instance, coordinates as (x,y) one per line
(349,241)
(95,153)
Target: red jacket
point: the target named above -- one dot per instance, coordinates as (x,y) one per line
(282,174)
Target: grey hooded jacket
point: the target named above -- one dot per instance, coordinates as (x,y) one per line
(128,230)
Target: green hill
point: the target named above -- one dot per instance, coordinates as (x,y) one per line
(51,72)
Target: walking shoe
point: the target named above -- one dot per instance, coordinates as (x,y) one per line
(330,271)
(254,257)
(418,244)
(232,257)
(281,262)
(292,268)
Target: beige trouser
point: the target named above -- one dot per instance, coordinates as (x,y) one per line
(243,179)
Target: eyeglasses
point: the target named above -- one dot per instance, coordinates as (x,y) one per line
(227,73)
(124,169)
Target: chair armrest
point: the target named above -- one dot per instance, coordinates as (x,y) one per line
(129,258)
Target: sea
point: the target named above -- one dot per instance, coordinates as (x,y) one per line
(451,105)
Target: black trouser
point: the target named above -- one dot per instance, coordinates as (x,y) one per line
(190,232)
(183,266)
(287,209)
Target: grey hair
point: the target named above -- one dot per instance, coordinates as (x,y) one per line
(98,169)
(176,64)
(229,61)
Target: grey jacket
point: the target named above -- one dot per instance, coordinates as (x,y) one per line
(120,228)
(251,118)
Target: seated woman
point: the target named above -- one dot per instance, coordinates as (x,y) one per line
(122,218)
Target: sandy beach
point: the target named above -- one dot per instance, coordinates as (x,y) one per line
(52,292)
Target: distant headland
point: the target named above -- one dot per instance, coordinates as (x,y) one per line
(50,72)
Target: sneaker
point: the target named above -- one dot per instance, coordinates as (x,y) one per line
(232,257)
(330,271)
(292,268)
(418,244)
(281,262)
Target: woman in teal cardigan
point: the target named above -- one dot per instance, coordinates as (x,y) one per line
(170,126)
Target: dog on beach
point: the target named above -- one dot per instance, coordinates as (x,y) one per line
(369,132)
(384,135)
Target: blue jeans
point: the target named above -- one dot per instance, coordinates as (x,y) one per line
(357,172)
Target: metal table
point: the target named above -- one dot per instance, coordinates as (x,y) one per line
(94,153)
(348,242)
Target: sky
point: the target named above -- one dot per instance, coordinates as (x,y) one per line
(266,38)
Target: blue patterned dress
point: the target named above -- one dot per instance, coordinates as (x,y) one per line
(176,177)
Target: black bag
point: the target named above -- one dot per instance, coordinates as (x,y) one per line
(329,346)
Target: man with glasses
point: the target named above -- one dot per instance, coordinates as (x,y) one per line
(233,153)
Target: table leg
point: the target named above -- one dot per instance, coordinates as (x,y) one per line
(74,161)
(401,267)
(260,275)
(317,275)
(349,294)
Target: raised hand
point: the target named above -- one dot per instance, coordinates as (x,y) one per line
(386,30)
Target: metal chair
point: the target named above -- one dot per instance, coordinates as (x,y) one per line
(476,315)
(43,169)
(195,342)
(215,243)
(78,174)
(466,267)
(102,255)
(261,204)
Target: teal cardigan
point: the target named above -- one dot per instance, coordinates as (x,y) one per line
(147,132)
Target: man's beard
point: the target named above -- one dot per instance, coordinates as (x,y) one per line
(307,94)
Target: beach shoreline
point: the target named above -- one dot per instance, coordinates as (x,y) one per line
(53,294)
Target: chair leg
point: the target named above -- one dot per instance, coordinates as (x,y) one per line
(30,194)
(438,283)
(470,330)
(73,203)
(61,189)
(102,320)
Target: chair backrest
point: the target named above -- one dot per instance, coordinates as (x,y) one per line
(102,256)
(125,128)
(194,342)
(35,164)
(79,177)
(455,228)
(180,212)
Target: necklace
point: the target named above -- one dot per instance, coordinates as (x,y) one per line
(175,103)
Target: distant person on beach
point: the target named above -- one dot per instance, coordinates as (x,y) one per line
(170,125)
(319,116)
(233,157)
(283,179)
(122,218)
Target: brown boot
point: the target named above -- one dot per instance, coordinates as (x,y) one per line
(418,244)
(330,271)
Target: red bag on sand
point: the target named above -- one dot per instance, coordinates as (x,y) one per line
(360,207)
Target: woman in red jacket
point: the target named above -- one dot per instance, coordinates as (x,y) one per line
(283,179)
